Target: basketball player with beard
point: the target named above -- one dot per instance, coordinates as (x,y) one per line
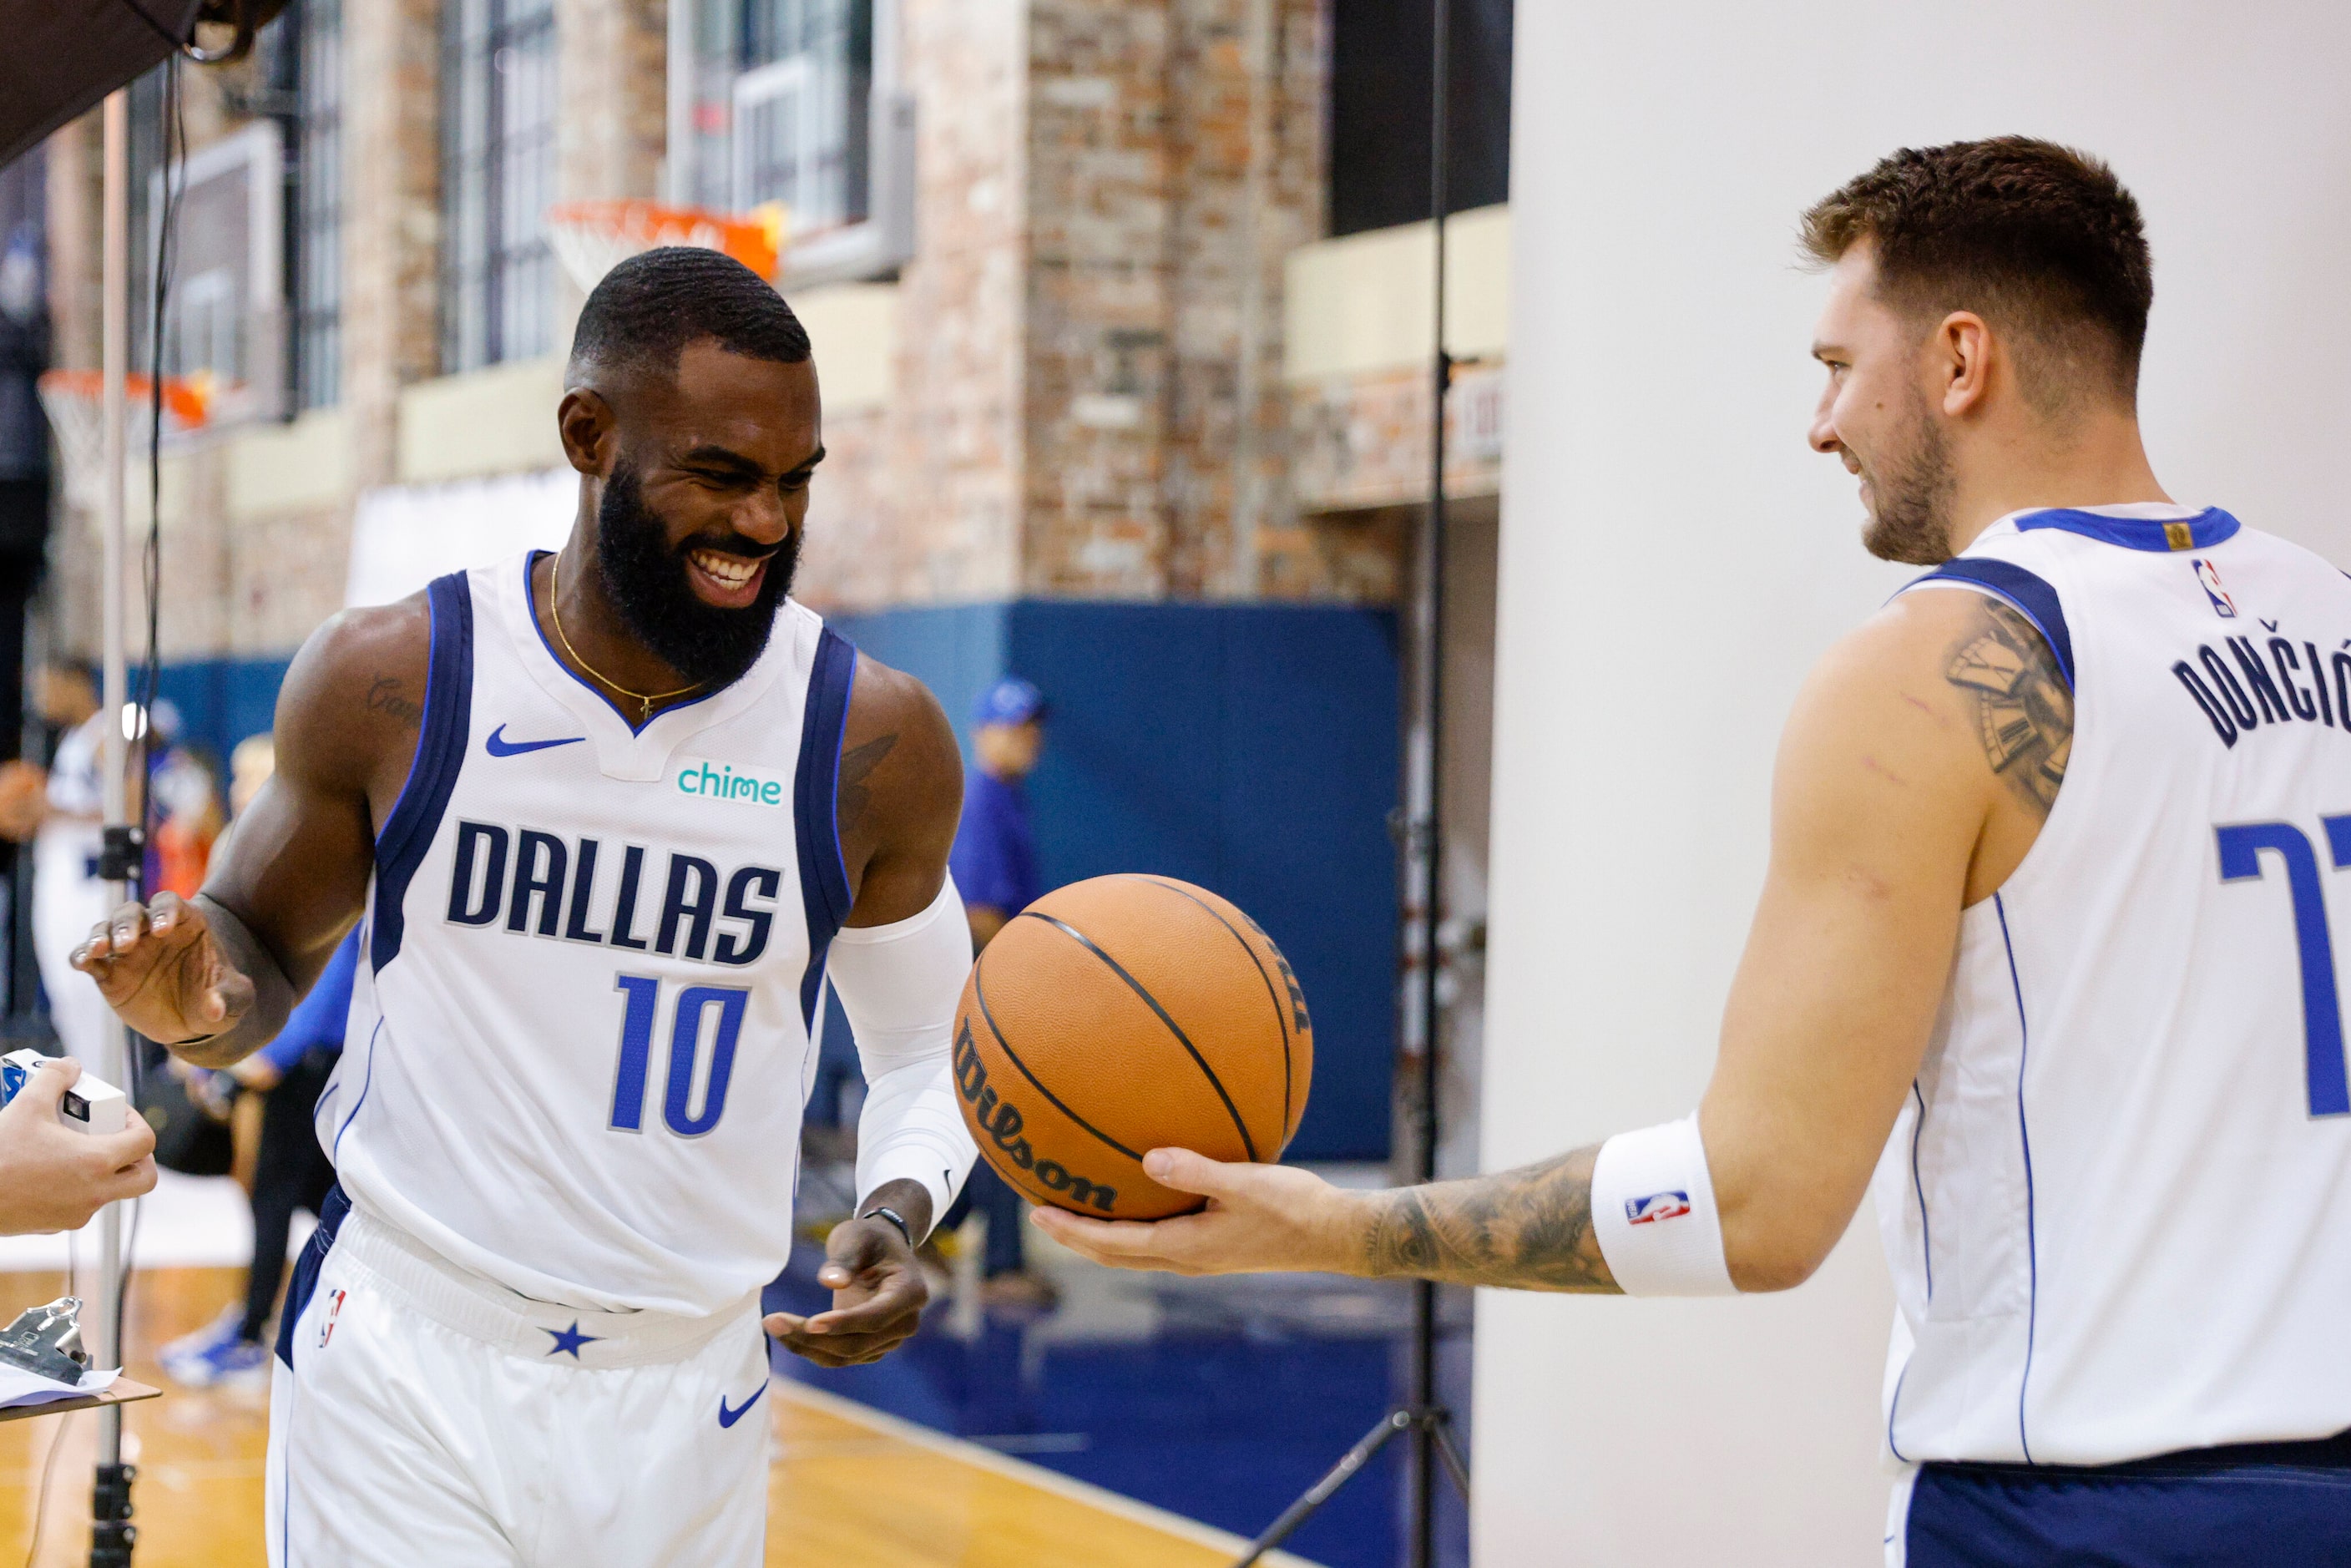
(605,817)
(2043,943)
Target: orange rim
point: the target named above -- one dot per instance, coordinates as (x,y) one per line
(749,240)
(183,401)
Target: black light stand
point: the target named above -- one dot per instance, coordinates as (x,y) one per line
(1428,1422)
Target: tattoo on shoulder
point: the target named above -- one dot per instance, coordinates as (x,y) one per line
(388,694)
(2024,709)
(1529,1227)
(857,764)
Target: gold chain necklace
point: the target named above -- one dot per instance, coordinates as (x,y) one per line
(645,701)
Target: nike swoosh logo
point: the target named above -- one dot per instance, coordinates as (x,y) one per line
(498,745)
(729,1418)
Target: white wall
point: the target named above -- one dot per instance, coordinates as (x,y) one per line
(1673,559)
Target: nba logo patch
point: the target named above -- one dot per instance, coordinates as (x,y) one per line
(334,1310)
(2208,577)
(1656,1207)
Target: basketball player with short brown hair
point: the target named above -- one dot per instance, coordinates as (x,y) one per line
(2044,943)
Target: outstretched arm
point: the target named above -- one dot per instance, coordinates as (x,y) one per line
(1915,770)
(898,966)
(213,978)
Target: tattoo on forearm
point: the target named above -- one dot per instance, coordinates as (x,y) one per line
(857,764)
(388,696)
(2024,709)
(1529,1229)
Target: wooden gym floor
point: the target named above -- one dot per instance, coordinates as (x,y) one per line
(849,1487)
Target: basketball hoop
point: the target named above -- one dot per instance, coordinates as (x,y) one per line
(74,401)
(590,238)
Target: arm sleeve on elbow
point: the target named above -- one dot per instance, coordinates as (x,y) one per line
(1653,1215)
(899,986)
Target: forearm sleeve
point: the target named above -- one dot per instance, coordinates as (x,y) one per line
(899,984)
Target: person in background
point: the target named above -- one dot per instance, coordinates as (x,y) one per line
(189,804)
(291,1171)
(995,865)
(58,811)
(249,768)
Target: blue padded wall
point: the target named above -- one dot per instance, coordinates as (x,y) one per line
(1251,749)
(221,701)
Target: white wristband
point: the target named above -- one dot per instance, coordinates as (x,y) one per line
(1653,1213)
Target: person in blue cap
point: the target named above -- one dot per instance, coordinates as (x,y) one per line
(995,866)
(995,856)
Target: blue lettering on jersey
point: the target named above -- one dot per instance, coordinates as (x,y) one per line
(2277,684)
(545,886)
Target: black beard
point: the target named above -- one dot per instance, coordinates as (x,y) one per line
(1911,491)
(645,578)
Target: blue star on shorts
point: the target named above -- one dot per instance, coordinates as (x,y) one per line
(570,1340)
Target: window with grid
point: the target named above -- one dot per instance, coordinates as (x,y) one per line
(319,209)
(497,176)
(802,110)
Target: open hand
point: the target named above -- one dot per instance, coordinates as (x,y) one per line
(158,966)
(53,1178)
(878,1295)
(1259,1220)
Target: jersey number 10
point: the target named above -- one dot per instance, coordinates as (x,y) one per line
(2322,1013)
(643,992)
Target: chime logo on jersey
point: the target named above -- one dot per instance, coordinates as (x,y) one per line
(2208,577)
(703,782)
(334,1310)
(1656,1207)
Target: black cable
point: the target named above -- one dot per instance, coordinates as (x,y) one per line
(172,129)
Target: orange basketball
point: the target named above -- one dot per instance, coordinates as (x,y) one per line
(1121,1015)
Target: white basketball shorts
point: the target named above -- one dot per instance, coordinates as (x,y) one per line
(422,1414)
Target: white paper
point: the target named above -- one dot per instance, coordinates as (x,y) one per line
(19,1386)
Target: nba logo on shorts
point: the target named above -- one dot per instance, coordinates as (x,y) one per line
(2209,576)
(1656,1207)
(334,1310)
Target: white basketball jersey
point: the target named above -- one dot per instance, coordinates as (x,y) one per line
(2117,1204)
(578,1041)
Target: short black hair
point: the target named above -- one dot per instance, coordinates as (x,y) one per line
(648,308)
(2041,237)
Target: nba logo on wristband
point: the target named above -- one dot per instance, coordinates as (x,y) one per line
(1656,1207)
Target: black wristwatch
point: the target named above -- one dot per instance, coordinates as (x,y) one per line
(879,1212)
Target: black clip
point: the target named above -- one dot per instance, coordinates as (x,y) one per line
(123,853)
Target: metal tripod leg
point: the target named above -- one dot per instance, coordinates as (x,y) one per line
(1395,1424)
(1440,1428)
(1391,1425)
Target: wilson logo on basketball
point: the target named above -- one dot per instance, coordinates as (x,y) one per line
(1002,1121)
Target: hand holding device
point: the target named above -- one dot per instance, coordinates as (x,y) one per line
(52,1179)
(89,1106)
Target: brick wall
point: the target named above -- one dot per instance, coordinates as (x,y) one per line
(1165,184)
(1086,397)
(949,522)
